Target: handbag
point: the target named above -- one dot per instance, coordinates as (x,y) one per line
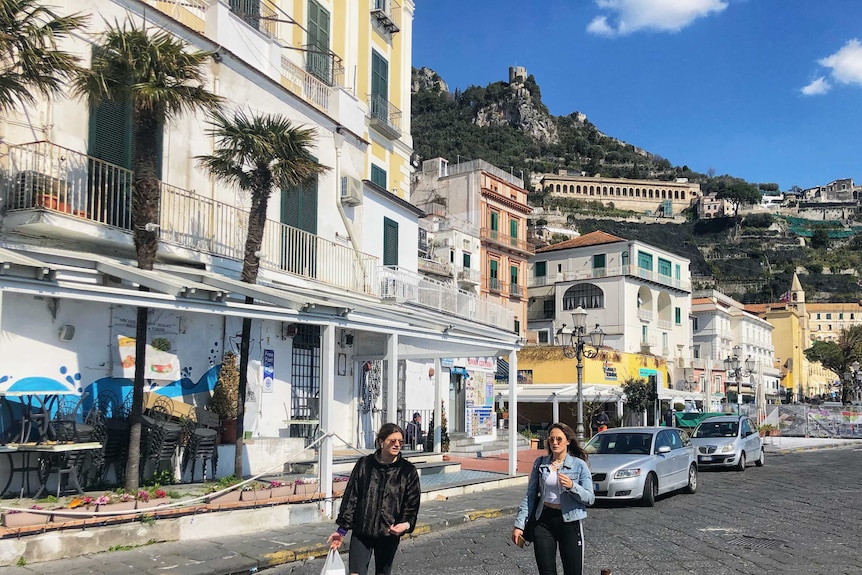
(530,528)
(333,564)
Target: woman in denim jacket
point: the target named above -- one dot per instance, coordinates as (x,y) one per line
(559,490)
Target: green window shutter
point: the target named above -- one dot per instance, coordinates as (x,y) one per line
(390,242)
(645,261)
(299,206)
(513,228)
(677,315)
(493,269)
(517,326)
(110,137)
(664,267)
(379,76)
(466,259)
(495,221)
(598,261)
(317,59)
(378,176)
(513,275)
(676,270)
(541,269)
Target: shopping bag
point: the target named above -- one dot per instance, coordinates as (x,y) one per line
(333,564)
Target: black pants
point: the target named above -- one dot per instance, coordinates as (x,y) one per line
(552,533)
(361,547)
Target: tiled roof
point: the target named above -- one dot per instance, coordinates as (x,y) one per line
(591,239)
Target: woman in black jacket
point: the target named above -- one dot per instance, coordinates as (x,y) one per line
(380,504)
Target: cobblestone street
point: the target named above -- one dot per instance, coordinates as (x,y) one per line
(800,514)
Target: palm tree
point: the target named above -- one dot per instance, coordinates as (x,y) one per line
(159,79)
(29,56)
(257,154)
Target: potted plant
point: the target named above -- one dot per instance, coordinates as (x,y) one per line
(533,437)
(255,491)
(150,499)
(224,399)
(281,489)
(221,495)
(444,433)
(306,486)
(115,502)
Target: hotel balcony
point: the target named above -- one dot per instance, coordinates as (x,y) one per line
(261,34)
(70,198)
(597,273)
(501,239)
(384,117)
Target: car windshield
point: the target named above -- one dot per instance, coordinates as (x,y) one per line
(716,429)
(620,443)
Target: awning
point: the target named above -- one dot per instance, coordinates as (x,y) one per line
(15,264)
(159,281)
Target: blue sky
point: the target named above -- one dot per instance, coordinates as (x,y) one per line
(766,90)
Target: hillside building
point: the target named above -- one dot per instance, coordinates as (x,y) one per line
(657,198)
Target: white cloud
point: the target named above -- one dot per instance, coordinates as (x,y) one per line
(846,63)
(817,87)
(628,16)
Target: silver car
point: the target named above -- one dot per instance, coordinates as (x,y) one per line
(728,441)
(641,463)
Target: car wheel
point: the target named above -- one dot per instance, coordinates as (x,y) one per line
(762,459)
(691,487)
(650,491)
(740,465)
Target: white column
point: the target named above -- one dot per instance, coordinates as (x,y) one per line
(438,402)
(513,412)
(392,379)
(327,394)
(556,409)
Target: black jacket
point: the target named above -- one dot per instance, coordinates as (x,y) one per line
(378,496)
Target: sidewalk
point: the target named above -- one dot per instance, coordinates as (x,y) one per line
(226,554)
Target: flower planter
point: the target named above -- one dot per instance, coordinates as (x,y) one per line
(153,503)
(306,488)
(229,497)
(282,491)
(116,507)
(256,495)
(24,519)
(76,514)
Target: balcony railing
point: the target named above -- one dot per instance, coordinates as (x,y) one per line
(384,116)
(387,13)
(515,290)
(407,287)
(324,64)
(259,14)
(645,315)
(506,240)
(597,273)
(495,285)
(663,324)
(50,177)
(435,267)
(192,13)
(305,84)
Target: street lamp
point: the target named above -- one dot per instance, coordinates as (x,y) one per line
(733,365)
(575,348)
(853,379)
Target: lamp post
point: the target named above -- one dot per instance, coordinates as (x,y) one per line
(853,379)
(575,347)
(733,365)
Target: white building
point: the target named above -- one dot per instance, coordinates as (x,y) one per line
(639,295)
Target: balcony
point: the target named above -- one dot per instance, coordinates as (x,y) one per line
(495,285)
(468,276)
(507,241)
(387,15)
(645,315)
(86,198)
(260,15)
(435,268)
(305,85)
(384,117)
(191,13)
(406,287)
(515,290)
(324,64)
(664,324)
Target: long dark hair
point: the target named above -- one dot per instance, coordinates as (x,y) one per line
(574,447)
(386,430)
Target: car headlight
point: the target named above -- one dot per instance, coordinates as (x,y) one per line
(627,473)
(726,448)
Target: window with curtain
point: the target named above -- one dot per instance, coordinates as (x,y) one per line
(587,296)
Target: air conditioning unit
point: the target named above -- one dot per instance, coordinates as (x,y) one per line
(351,191)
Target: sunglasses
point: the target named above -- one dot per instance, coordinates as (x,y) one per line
(553,439)
(394,441)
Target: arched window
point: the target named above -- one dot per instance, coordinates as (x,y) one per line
(578,189)
(682,195)
(587,296)
(558,188)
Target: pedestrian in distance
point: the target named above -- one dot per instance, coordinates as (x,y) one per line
(559,490)
(380,504)
(602,421)
(414,431)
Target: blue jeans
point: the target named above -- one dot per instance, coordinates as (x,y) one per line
(552,533)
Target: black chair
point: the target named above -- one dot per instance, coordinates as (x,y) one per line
(201,442)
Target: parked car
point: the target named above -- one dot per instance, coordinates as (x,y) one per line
(728,441)
(630,463)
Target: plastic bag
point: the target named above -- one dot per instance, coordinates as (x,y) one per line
(333,564)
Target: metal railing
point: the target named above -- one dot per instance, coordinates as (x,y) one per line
(192,13)
(305,84)
(324,64)
(259,14)
(404,286)
(506,240)
(382,110)
(515,290)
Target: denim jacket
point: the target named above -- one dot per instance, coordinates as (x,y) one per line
(573,501)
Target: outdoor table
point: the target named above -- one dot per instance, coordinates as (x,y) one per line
(36,407)
(46,455)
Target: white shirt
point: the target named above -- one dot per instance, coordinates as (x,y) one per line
(552,488)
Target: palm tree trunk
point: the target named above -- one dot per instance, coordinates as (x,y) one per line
(145,210)
(250,268)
